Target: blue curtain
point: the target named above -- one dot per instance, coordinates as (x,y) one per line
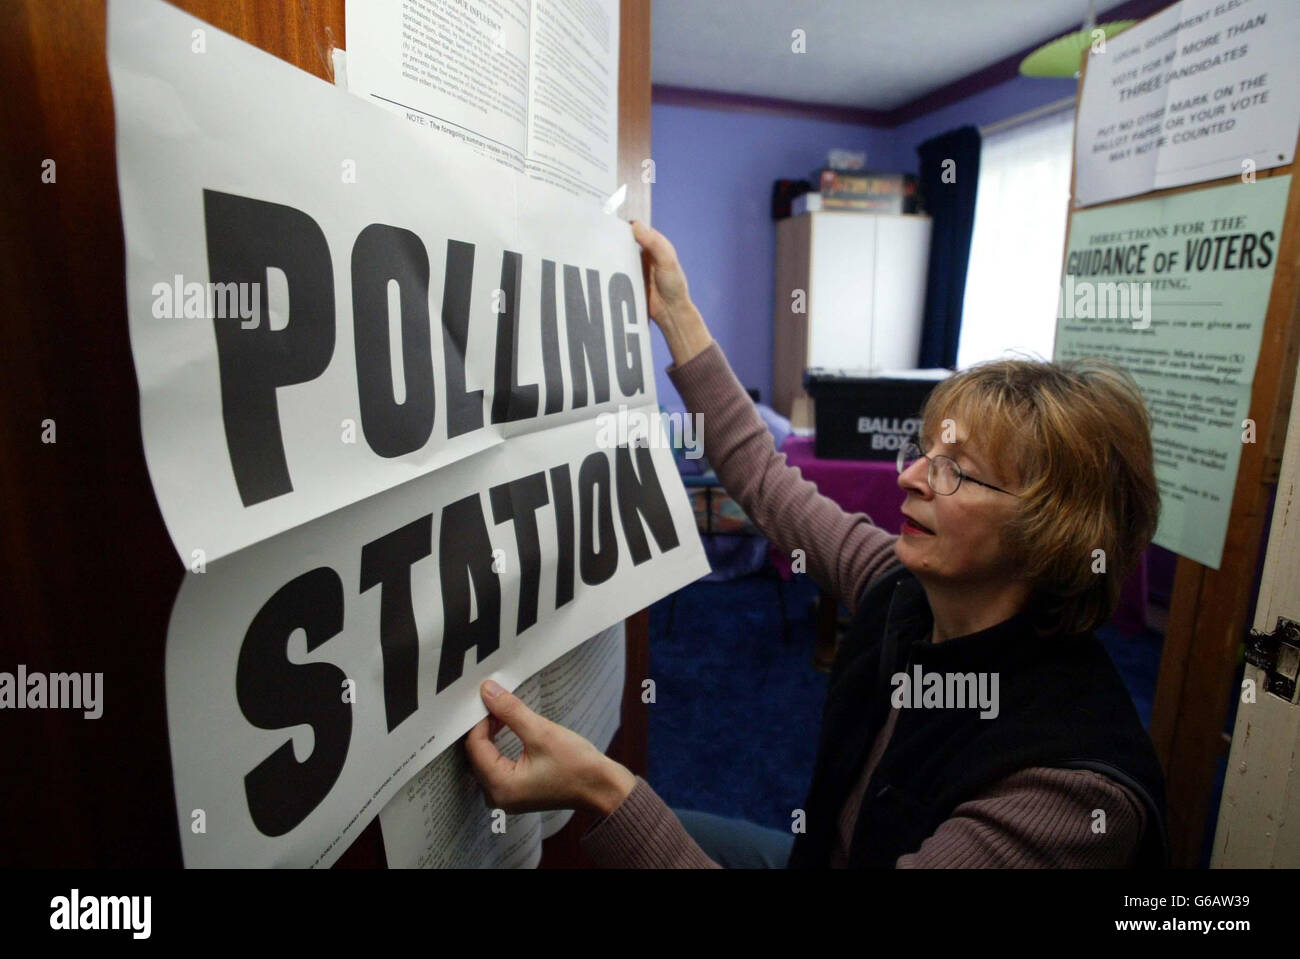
(952,205)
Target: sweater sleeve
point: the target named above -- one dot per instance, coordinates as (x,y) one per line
(843,550)
(643,833)
(1038,818)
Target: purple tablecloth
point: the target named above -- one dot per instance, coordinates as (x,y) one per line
(858,486)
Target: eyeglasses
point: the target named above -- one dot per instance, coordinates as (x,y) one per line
(945,475)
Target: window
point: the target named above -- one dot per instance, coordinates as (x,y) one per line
(1018,241)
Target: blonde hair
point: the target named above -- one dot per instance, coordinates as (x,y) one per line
(1077,438)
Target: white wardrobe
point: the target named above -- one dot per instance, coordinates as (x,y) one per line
(850,293)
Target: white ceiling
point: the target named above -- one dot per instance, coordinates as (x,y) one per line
(873,54)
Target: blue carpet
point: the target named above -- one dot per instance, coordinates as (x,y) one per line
(1137,657)
(733,730)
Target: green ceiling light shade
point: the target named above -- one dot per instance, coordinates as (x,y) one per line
(1062,56)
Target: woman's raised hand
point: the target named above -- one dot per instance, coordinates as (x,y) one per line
(670,299)
(669,293)
(558,769)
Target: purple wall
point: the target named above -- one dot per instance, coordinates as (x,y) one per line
(988,106)
(712,198)
(713,180)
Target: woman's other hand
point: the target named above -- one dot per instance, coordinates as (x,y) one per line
(670,298)
(558,769)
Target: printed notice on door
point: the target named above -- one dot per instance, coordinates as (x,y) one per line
(531,83)
(1175,290)
(1204,89)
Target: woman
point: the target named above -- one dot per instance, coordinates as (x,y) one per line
(972,717)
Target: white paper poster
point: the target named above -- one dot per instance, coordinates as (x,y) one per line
(530,83)
(381,380)
(440,819)
(1202,90)
(1175,289)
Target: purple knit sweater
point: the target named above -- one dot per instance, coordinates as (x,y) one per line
(1037,817)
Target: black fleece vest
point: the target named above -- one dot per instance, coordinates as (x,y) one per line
(1061,703)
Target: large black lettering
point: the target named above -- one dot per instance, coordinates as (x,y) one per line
(1266,249)
(510,399)
(551,341)
(586,332)
(639,497)
(274,693)
(386,562)
(464,407)
(1247,260)
(383,253)
(562,493)
(245,237)
(465,555)
(519,501)
(596,565)
(627,348)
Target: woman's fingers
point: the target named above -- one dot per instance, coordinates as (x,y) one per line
(479,744)
(654,243)
(506,782)
(555,770)
(668,291)
(490,766)
(510,710)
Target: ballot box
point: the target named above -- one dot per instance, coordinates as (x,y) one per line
(862,415)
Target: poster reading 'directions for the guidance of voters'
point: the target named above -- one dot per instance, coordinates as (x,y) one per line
(1202,90)
(1176,289)
(389,392)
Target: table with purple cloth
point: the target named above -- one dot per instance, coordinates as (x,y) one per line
(857,486)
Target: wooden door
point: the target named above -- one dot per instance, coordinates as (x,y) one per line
(1259,815)
(87,568)
(1210,608)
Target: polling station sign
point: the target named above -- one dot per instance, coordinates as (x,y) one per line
(376,379)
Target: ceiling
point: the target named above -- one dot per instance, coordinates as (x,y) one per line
(867,54)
